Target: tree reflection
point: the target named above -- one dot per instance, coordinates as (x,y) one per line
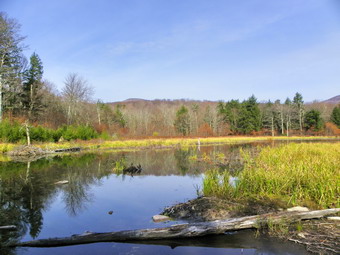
(76,196)
(182,160)
(27,189)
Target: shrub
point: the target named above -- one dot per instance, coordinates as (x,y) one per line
(79,132)
(11,132)
(14,132)
(41,134)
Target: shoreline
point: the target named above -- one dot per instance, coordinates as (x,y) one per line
(317,235)
(161,142)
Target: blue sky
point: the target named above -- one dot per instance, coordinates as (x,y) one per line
(196,49)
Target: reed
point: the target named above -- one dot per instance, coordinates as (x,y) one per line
(305,173)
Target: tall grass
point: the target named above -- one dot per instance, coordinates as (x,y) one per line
(296,173)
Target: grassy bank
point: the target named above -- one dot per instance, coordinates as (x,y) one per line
(295,174)
(153,142)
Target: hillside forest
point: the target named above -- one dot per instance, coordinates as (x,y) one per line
(27,99)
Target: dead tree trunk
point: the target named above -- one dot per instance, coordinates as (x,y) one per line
(181,230)
(9,227)
(28,133)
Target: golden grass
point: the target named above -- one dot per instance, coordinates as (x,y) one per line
(5,147)
(303,173)
(163,142)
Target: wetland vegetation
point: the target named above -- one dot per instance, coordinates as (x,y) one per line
(296,174)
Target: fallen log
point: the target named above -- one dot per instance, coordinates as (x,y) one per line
(73,149)
(181,230)
(9,227)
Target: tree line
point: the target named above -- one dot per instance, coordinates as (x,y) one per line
(26,97)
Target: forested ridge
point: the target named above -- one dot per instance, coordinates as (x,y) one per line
(27,99)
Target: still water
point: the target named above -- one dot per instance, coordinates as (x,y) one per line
(30,199)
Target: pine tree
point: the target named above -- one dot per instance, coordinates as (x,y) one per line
(288,114)
(335,116)
(229,113)
(182,124)
(250,116)
(31,96)
(11,60)
(313,120)
(299,110)
(118,116)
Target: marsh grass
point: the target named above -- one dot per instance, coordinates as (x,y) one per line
(5,147)
(305,174)
(159,142)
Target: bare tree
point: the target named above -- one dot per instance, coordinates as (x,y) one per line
(75,93)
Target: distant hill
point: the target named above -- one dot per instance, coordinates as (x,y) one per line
(134,100)
(333,100)
(141,101)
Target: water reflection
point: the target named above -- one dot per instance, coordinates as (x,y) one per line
(30,199)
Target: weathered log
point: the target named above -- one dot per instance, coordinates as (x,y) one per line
(9,227)
(68,149)
(180,231)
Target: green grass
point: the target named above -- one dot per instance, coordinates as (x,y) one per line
(304,174)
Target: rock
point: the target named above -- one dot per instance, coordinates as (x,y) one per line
(61,182)
(160,218)
(333,218)
(298,209)
(302,235)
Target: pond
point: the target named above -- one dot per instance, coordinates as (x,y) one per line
(97,199)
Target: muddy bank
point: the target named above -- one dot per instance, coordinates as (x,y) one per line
(28,151)
(211,208)
(318,236)
(31,153)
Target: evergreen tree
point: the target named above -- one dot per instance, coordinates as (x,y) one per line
(182,120)
(32,87)
(250,116)
(313,120)
(118,116)
(11,60)
(229,113)
(335,116)
(299,110)
(288,114)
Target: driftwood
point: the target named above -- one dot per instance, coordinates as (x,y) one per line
(68,149)
(180,231)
